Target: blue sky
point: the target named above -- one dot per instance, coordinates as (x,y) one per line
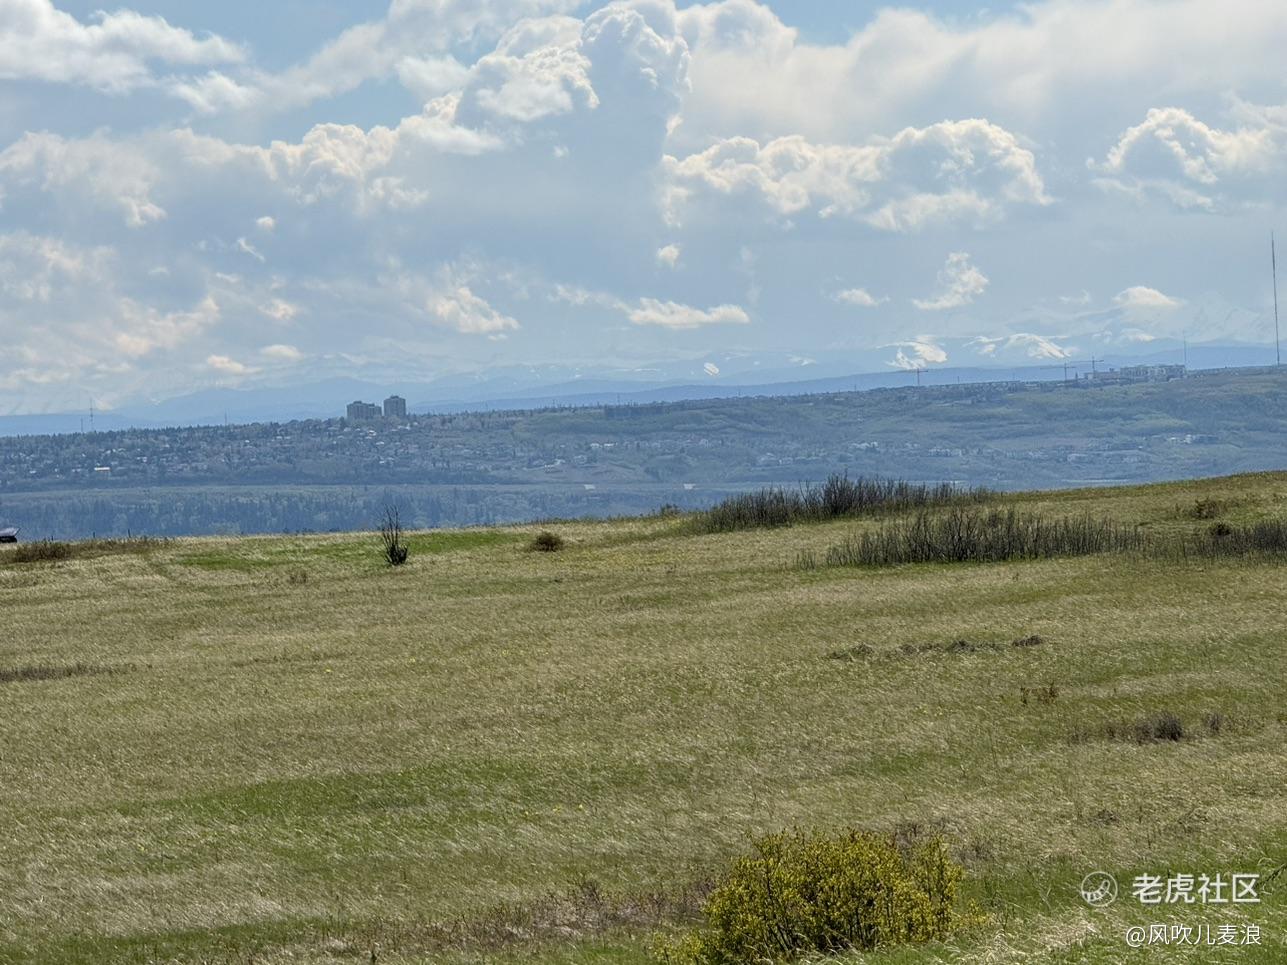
(198,194)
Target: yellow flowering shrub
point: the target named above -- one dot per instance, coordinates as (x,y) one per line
(807,892)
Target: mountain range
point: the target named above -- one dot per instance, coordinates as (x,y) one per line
(716,376)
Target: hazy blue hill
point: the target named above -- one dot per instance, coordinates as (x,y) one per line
(533,387)
(602,460)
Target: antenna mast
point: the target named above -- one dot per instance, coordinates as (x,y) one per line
(1273,259)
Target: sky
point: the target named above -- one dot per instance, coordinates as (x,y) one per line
(236,194)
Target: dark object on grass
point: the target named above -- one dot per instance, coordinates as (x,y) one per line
(9,535)
(851,654)
(1164,726)
(36,672)
(547,542)
(395,546)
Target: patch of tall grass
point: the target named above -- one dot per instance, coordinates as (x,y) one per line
(1267,536)
(837,498)
(975,535)
(53,551)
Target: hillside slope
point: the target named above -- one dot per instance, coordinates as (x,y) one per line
(278,749)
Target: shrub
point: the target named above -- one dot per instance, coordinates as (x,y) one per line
(1268,536)
(839,497)
(54,550)
(396,550)
(1208,508)
(546,542)
(43,551)
(1042,695)
(850,654)
(1164,726)
(972,535)
(767,509)
(802,893)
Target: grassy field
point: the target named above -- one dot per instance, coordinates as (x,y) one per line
(277,749)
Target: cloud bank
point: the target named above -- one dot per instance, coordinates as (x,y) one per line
(452,186)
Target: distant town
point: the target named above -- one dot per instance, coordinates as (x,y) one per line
(1132,424)
(384,442)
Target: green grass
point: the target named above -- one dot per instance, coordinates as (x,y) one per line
(301,769)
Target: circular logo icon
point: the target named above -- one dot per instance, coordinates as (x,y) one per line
(1099,889)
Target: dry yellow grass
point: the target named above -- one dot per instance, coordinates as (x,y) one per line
(303,753)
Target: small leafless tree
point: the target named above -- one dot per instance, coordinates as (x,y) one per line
(395,546)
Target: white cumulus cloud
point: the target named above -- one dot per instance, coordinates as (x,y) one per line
(228,366)
(960,282)
(674,315)
(282,353)
(859,297)
(279,310)
(1173,155)
(115,52)
(462,310)
(967,170)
